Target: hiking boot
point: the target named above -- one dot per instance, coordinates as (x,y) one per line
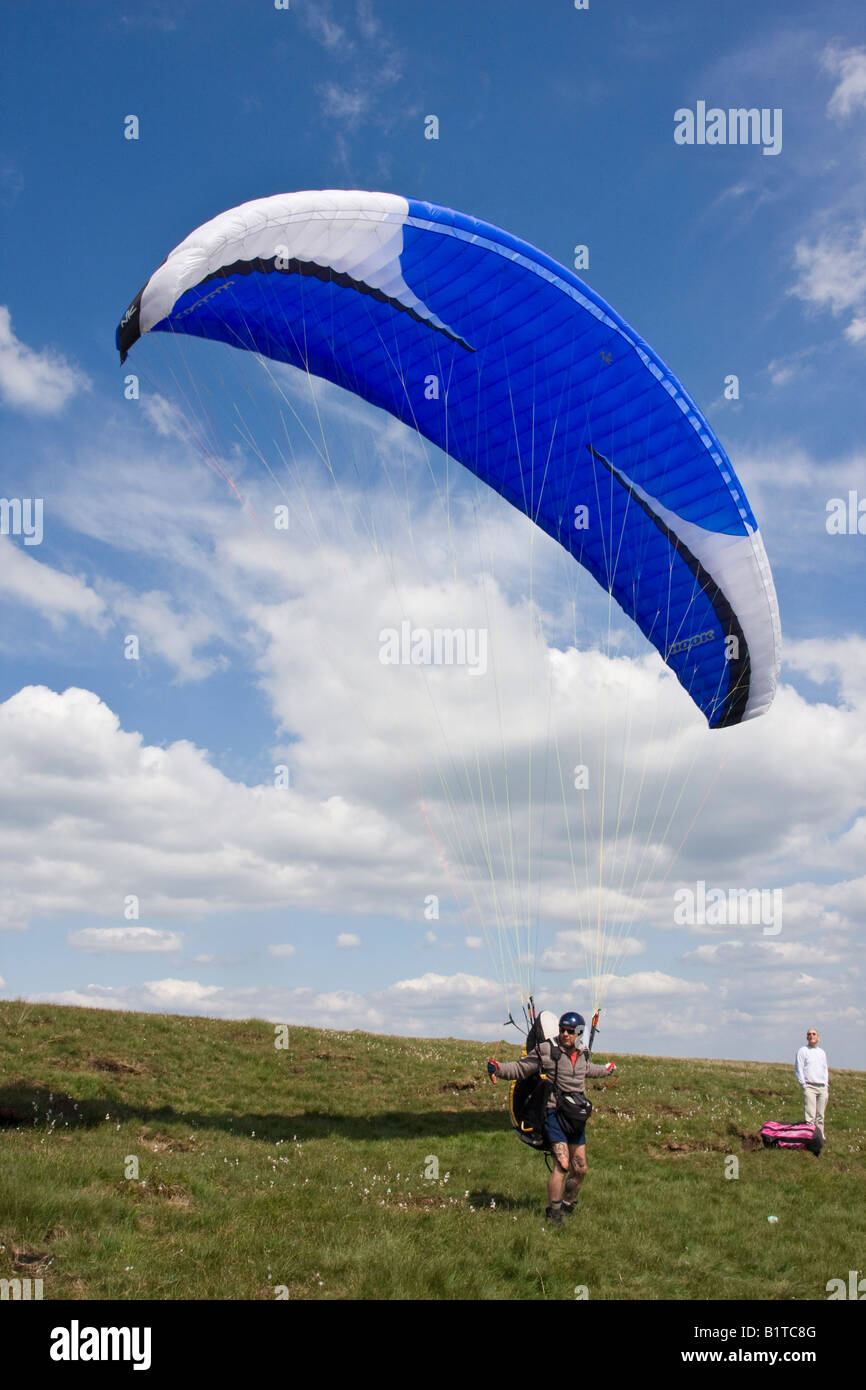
(569,1207)
(554,1215)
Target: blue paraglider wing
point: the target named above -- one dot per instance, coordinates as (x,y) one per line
(513,366)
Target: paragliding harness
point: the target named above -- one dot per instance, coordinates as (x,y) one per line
(528,1097)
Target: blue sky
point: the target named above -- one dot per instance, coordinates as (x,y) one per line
(155,777)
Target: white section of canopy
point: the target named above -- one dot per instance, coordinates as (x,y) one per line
(355,233)
(740,567)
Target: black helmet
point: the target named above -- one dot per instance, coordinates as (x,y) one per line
(572,1020)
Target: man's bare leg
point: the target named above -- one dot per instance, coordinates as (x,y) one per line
(576,1172)
(556,1180)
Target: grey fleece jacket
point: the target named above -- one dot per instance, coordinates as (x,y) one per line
(571,1073)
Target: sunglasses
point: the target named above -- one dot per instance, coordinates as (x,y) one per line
(571,1030)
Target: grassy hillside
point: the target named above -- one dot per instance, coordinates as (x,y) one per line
(305,1167)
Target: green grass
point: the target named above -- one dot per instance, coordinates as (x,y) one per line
(304,1168)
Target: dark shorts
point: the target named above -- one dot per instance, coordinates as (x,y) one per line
(555,1134)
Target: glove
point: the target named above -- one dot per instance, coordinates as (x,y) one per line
(611,1066)
(492,1067)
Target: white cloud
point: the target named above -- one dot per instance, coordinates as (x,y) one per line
(114,811)
(179,995)
(166,416)
(371,64)
(393,1009)
(761,955)
(679,1026)
(282,950)
(174,637)
(782,371)
(39,382)
(123,940)
(752,1013)
(849,66)
(56,596)
(833,274)
(343,103)
(348,940)
(837,660)
(572,949)
(644,983)
(90,812)
(319,21)
(440,986)
(92,997)
(789,489)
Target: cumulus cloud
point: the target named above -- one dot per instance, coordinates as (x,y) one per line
(472,986)
(759,955)
(91,997)
(752,1013)
(38,382)
(577,948)
(282,950)
(124,940)
(644,983)
(90,813)
(106,814)
(347,941)
(180,995)
(841,661)
(364,735)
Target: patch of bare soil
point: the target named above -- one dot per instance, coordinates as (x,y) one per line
(113,1064)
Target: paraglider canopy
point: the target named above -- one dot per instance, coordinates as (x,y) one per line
(516,368)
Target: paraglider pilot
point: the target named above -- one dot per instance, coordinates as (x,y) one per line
(564,1061)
